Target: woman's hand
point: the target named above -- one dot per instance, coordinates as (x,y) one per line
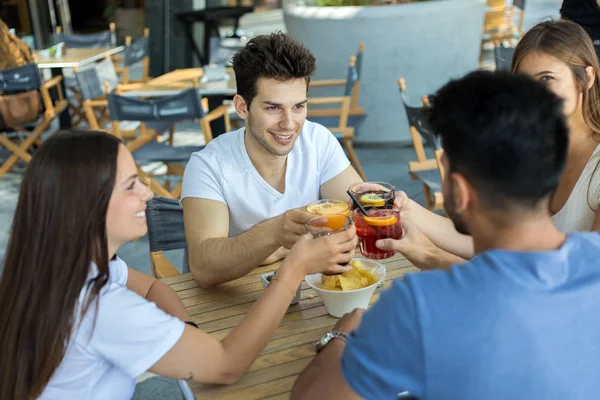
(328,254)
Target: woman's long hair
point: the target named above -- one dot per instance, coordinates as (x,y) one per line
(59,228)
(568,42)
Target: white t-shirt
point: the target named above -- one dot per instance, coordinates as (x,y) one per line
(223,172)
(131,334)
(578,213)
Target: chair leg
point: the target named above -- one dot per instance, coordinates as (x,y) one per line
(427,194)
(171,134)
(354,158)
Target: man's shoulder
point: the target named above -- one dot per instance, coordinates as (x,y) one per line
(223,146)
(314,132)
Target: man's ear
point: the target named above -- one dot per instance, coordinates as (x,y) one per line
(462,191)
(240,107)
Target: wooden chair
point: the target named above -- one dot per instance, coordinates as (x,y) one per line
(424,169)
(88,40)
(146,147)
(106,38)
(166,232)
(23,79)
(503,24)
(338,125)
(94,83)
(136,51)
(351,88)
(503,57)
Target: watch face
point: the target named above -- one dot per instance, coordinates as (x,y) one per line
(323,342)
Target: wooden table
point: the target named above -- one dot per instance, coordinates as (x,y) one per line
(75,57)
(179,80)
(291,349)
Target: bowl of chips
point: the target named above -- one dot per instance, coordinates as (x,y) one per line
(343,293)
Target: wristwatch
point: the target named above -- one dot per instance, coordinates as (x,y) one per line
(328,337)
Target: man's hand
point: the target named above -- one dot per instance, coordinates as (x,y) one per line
(350,321)
(292,226)
(417,247)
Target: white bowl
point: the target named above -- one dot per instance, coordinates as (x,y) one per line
(338,303)
(265,282)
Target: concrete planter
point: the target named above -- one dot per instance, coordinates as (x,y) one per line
(425,42)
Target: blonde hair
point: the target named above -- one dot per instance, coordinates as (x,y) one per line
(568,42)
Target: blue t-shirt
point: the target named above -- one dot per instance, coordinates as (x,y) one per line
(507,325)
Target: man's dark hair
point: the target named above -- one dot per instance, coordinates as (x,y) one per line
(505,133)
(275,56)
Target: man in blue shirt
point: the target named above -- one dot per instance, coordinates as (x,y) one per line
(520,320)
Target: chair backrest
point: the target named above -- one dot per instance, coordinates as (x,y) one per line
(520,4)
(20,79)
(179,107)
(417,122)
(359,59)
(100,39)
(352,77)
(92,80)
(496,4)
(137,50)
(497,20)
(503,57)
(165,224)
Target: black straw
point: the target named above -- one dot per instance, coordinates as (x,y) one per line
(357,203)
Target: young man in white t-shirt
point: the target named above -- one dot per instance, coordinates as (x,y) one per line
(244,196)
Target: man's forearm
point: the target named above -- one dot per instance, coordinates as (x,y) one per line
(309,384)
(219,260)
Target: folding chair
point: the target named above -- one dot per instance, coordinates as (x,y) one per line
(426,170)
(77,41)
(166,232)
(503,57)
(338,124)
(136,51)
(24,79)
(503,24)
(82,41)
(351,88)
(95,82)
(145,147)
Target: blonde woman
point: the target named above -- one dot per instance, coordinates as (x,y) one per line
(560,55)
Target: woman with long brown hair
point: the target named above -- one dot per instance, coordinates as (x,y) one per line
(76,323)
(560,55)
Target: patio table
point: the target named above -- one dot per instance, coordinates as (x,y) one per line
(271,376)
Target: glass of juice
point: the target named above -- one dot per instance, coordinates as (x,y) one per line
(374,194)
(328,224)
(381,223)
(328,206)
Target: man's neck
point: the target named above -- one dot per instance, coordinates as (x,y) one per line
(532,233)
(269,166)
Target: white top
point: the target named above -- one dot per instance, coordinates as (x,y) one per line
(578,213)
(130,336)
(223,172)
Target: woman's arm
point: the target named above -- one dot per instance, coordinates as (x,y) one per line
(201,357)
(158,292)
